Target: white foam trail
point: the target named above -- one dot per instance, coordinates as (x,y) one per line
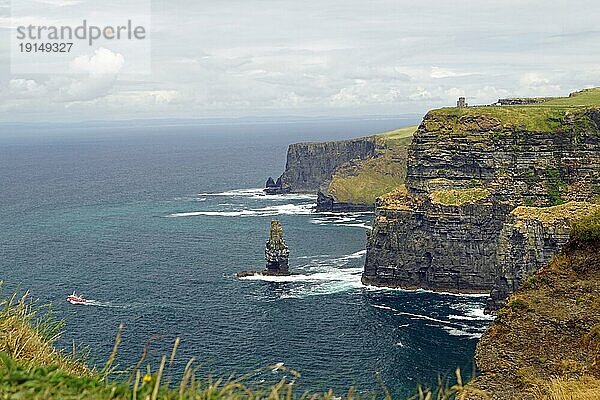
(384,307)
(459,332)
(259,193)
(425,317)
(282,209)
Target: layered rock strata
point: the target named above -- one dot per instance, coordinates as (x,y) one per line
(277,253)
(529,239)
(468,169)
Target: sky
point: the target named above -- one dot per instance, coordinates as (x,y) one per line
(339,58)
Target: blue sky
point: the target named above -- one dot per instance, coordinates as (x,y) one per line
(234,58)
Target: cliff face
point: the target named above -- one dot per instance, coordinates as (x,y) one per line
(310,165)
(546,340)
(468,168)
(530,237)
(418,243)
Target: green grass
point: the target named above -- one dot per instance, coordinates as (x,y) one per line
(398,137)
(458,197)
(550,116)
(362,182)
(587,228)
(584,98)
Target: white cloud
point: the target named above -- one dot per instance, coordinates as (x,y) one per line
(345,57)
(440,73)
(103,62)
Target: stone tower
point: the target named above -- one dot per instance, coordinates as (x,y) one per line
(461,103)
(276,252)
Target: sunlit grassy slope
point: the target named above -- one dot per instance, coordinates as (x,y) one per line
(362,182)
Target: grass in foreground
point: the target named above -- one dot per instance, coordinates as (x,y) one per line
(30,368)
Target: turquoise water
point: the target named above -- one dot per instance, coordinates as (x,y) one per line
(153,223)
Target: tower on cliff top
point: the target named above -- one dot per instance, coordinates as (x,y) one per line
(277,253)
(461,103)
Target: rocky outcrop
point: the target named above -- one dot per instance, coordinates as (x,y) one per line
(309,165)
(328,203)
(272,187)
(419,243)
(277,253)
(468,168)
(545,342)
(530,237)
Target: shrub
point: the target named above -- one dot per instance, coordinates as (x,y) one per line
(587,228)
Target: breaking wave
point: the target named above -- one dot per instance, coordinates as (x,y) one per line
(352,219)
(258,193)
(323,275)
(282,209)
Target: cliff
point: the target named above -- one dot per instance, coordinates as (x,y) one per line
(468,168)
(545,343)
(356,184)
(309,165)
(530,237)
(347,175)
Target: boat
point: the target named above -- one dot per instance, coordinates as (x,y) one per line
(76,299)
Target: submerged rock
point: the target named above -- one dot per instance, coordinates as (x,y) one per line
(277,253)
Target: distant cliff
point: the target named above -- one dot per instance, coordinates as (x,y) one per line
(309,165)
(347,175)
(468,168)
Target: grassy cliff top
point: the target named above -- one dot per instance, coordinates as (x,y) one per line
(549,116)
(571,211)
(397,137)
(458,197)
(362,182)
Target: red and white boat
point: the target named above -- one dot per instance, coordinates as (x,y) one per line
(75,299)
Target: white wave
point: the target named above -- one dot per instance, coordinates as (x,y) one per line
(472,312)
(384,307)
(281,209)
(460,332)
(351,220)
(259,193)
(424,291)
(425,317)
(363,225)
(236,193)
(344,275)
(400,344)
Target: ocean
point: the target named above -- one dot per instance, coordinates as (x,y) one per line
(153,220)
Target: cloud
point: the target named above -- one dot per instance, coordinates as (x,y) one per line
(345,57)
(440,73)
(103,62)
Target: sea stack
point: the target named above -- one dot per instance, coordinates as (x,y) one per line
(277,253)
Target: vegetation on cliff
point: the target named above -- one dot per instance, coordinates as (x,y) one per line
(458,197)
(362,181)
(545,343)
(549,116)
